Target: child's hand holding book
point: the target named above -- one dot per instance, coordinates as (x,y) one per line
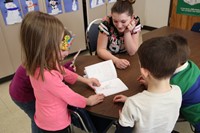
(93,82)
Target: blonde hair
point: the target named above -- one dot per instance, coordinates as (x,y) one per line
(41,35)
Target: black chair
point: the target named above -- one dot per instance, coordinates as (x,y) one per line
(181,119)
(80,118)
(92,35)
(196,27)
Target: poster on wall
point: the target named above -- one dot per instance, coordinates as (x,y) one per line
(29,5)
(111,1)
(71,5)
(11,11)
(54,7)
(188,7)
(96,3)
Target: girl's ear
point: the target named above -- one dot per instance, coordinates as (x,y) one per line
(144,72)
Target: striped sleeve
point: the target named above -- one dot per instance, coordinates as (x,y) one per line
(138,25)
(104,27)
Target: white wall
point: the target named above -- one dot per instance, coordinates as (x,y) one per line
(139,10)
(153,13)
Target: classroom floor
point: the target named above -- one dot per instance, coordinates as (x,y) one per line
(14,120)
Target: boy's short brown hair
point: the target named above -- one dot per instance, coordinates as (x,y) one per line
(182,47)
(159,56)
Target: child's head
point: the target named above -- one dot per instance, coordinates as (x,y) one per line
(158,56)
(41,35)
(182,47)
(123,6)
(122,13)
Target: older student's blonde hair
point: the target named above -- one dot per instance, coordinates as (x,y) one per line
(41,35)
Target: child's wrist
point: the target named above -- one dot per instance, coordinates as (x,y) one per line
(115,60)
(127,31)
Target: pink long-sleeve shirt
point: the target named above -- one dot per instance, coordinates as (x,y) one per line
(52,98)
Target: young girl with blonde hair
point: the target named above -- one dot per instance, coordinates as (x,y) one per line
(41,35)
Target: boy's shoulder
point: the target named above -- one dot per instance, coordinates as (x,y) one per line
(176,89)
(193,64)
(140,97)
(186,69)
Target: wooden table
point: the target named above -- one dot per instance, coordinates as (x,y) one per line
(192,37)
(109,109)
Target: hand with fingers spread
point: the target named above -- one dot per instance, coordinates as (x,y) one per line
(95,99)
(92,82)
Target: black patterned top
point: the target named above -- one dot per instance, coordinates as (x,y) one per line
(116,39)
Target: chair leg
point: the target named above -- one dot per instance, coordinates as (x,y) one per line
(175,131)
(193,129)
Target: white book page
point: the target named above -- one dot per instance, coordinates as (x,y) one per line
(102,71)
(111,87)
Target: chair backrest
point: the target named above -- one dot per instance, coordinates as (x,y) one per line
(196,27)
(92,35)
(81,119)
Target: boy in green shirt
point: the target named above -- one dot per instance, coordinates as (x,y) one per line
(187,77)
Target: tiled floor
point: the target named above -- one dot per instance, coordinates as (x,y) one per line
(14,120)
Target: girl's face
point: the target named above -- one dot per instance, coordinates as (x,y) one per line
(64,54)
(121,21)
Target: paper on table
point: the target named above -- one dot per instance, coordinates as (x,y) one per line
(106,73)
(102,71)
(111,87)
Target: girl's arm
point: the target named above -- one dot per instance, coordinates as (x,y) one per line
(131,42)
(131,36)
(94,99)
(67,94)
(102,48)
(106,55)
(89,81)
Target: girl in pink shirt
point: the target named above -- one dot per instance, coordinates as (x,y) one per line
(20,88)
(41,36)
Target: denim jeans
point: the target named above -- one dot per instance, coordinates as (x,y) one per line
(29,109)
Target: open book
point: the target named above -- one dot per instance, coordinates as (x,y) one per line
(106,73)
